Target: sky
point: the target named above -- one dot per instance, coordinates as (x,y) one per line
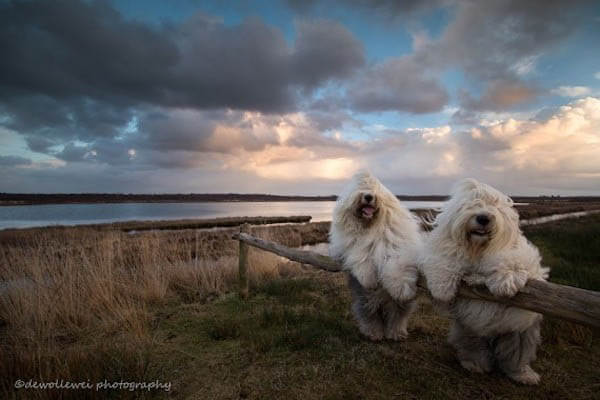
(295,96)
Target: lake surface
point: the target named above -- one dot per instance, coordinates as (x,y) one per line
(77,214)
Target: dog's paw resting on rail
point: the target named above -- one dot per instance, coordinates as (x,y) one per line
(376,239)
(477,240)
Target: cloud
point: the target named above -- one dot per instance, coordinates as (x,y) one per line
(531,146)
(572,91)
(14,161)
(398,84)
(497,45)
(324,50)
(499,95)
(597,75)
(386,8)
(518,155)
(187,138)
(77,70)
(203,104)
(489,39)
(81,49)
(87,73)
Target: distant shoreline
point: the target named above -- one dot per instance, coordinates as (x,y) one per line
(8,199)
(19,199)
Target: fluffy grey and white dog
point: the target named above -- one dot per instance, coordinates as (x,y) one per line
(477,239)
(377,239)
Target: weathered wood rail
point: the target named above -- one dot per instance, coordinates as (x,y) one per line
(558,301)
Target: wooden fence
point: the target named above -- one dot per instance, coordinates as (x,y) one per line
(557,301)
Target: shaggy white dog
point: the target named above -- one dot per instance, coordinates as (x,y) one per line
(376,238)
(477,239)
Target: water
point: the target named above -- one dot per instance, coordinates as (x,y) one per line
(77,214)
(557,217)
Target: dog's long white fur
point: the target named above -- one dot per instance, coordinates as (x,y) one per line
(503,261)
(381,253)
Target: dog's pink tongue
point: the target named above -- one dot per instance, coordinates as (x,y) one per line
(368,211)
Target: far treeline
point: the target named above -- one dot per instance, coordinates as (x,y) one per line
(72,198)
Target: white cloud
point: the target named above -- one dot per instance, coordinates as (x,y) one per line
(572,91)
(597,75)
(449,110)
(432,135)
(525,66)
(560,151)
(557,154)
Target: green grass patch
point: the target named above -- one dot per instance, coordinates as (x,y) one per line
(571,248)
(289,291)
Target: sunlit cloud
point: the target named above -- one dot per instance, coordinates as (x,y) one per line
(306,170)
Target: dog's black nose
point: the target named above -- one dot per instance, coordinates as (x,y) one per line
(368,198)
(483,220)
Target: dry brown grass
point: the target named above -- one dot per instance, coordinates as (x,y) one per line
(74,303)
(85,304)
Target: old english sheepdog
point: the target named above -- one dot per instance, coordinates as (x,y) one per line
(377,239)
(477,239)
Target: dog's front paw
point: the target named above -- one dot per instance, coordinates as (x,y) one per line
(373,332)
(396,333)
(404,292)
(506,283)
(473,366)
(526,376)
(443,289)
(442,293)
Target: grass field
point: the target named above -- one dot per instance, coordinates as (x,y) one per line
(107,305)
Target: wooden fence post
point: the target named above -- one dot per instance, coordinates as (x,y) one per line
(243,264)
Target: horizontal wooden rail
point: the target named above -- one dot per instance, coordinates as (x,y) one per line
(557,301)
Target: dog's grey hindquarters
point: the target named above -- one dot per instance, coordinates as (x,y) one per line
(473,351)
(377,314)
(396,317)
(365,309)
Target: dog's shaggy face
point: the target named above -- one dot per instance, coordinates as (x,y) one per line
(365,206)
(479,217)
(363,201)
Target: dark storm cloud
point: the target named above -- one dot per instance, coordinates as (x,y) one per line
(324,50)
(75,70)
(205,131)
(251,67)
(387,8)
(397,85)
(13,161)
(177,130)
(71,152)
(71,48)
(46,122)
